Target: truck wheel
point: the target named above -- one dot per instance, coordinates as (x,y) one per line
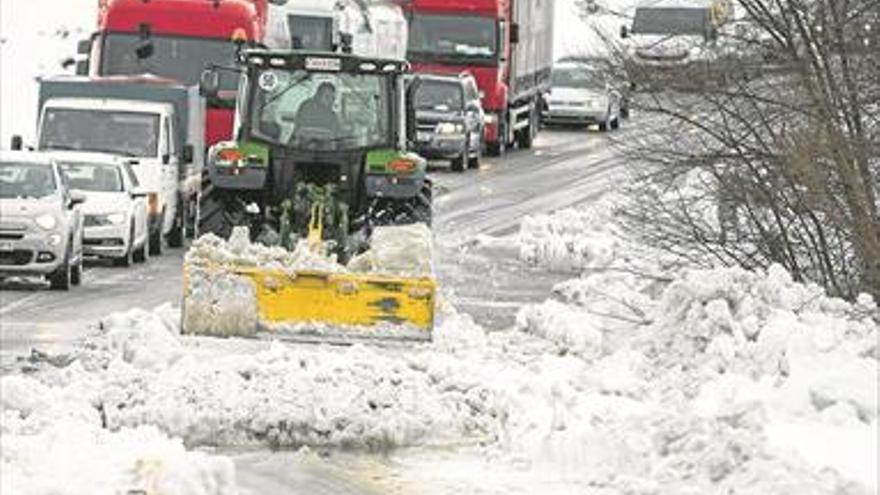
(525,136)
(178,232)
(60,278)
(500,146)
(157,239)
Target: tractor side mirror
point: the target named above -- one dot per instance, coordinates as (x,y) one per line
(186,155)
(209,83)
(16,143)
(624,32)
(77,197)
(411,88)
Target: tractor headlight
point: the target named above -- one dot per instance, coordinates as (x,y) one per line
(116,218)
(449,128)
(46,221)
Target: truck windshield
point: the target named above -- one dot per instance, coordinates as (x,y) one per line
(439,95)
(321,110)
(98,177)
(310,32)
(671,21)
(178,58)
(118,132)
(26,180)
(467,39)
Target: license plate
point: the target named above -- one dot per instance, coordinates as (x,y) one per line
(423,136)
(6,246)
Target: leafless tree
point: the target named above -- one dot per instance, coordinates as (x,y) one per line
(774,157)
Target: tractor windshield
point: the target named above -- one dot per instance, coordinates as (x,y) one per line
(309,110)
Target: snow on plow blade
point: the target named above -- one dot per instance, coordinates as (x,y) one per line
(306,305)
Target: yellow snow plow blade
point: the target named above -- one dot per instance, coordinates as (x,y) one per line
(344,299)
(309,305)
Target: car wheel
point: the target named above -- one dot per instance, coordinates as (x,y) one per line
(142,253)
(603,126)
(60,279)
(458,162)
(474,161)
(76,271)
(615,123)
(128,257)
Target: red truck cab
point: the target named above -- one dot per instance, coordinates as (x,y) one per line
(177,39)
(505,44)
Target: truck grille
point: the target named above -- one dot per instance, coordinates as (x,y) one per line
(17,257)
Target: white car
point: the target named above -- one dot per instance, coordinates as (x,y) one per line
(581,94)
(41,225)
(116,219)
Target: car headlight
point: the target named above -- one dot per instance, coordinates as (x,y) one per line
(46,221)
(116,218)
(449,128)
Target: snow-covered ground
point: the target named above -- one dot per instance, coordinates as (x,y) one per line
(631,379)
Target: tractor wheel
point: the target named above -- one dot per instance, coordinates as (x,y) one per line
(406,211)
(219,213)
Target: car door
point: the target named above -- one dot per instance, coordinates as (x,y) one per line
(139,205)
(169,171)
(72,214)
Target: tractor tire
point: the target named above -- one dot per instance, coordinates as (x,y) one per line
(219,213)
(417,209)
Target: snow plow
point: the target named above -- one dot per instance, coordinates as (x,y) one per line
(317,217)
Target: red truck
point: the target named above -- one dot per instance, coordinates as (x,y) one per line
(176,39)
(506,44)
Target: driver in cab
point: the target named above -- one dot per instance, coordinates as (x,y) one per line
(317,112)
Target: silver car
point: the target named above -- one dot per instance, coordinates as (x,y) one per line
(41,227)
(581,94)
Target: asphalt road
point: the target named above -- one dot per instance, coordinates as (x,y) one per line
(565,167)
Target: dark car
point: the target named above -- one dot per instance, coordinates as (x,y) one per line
(449,120)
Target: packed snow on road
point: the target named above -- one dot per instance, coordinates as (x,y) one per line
(633,377)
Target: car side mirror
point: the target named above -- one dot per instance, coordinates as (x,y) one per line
(76,198)
(144,49)
(138,192)
(186,155)
(624,32)
(16,143)
(209,83)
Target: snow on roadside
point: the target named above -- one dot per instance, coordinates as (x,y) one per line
(759,383)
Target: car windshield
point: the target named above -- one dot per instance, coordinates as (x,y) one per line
(439,95)
(26,180)
(171,57)
(324,110)
(125,133)
(671,21)
(580,77)
(93,177)
(467,38)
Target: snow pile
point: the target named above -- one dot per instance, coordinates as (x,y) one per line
(227,392)
(238,251)
(577,238)
(400,249)
(733,380)
(53,442)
